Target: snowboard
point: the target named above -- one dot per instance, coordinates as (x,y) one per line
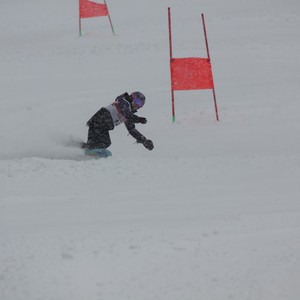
(97,153)
(92,153)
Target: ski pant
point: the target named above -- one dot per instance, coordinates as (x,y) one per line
(99,126)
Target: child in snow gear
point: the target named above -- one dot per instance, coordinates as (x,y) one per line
(122,110)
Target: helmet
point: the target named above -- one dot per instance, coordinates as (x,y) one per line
(138,99)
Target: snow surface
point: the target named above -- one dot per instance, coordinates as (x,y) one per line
(213,212)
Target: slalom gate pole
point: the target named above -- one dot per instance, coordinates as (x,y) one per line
(79,19)
(111,25)
(208,57)
(205,36)
(171,58)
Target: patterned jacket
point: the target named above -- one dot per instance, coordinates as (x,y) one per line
(121,111)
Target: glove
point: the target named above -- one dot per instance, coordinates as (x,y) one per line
(148,144)
(142,120)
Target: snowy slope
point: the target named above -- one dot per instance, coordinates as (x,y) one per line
(211,213)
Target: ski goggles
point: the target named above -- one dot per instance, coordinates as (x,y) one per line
(138,102)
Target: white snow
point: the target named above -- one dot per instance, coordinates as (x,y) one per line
(213,212)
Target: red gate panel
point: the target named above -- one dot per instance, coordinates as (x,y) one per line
(191,73)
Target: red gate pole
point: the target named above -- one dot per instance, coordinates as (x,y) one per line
(111,25)
(171,59)
(208,57)
(79,18)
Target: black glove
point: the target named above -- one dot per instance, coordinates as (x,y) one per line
(142,120)
(148,144)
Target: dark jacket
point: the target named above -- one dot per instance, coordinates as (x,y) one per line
(120,111)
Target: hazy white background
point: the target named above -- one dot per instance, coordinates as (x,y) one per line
(211,213)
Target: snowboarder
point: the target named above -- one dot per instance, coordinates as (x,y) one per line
(122,110)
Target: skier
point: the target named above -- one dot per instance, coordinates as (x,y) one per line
(122,110)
